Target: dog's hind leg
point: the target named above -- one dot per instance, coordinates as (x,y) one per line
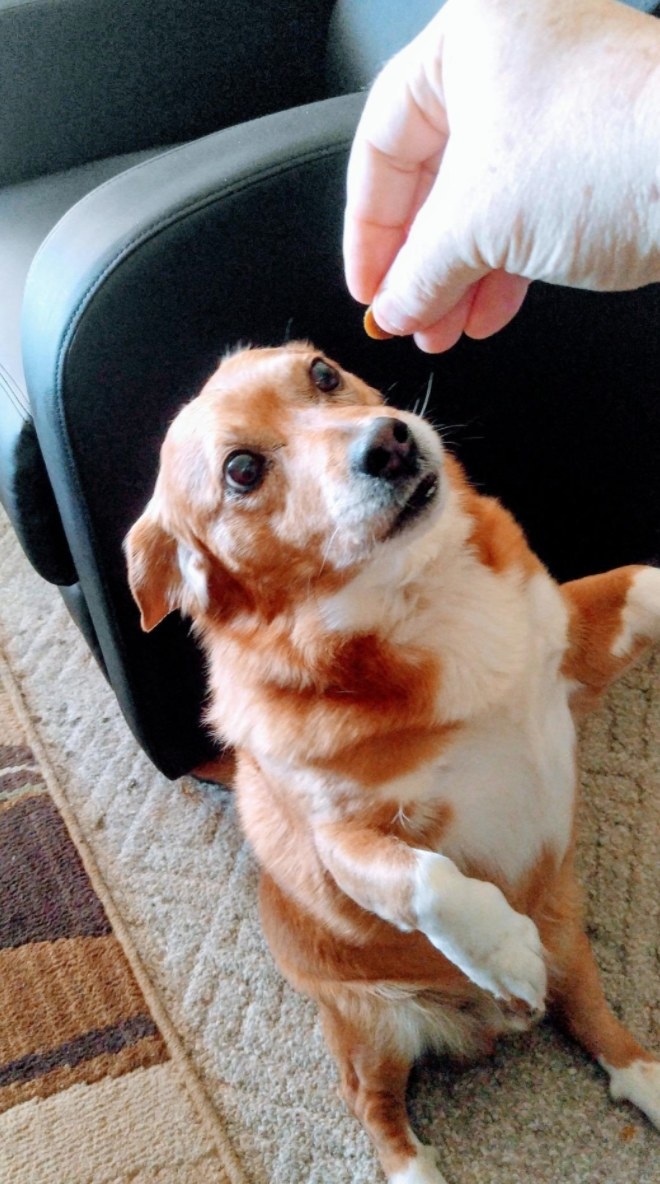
(373,1084)
(613,618)
(578,1002)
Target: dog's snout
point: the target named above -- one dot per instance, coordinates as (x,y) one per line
(386,449)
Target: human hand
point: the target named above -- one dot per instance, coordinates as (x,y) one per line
(512,140)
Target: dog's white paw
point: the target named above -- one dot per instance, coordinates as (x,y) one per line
(639,1084)
(472,924)
(504,955)
(422,1169)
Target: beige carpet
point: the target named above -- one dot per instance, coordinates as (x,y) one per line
(182,886)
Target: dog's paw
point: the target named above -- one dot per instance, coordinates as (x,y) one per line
(472,924)
(640,617)
(503,954)
(421,1169)
(639,1083)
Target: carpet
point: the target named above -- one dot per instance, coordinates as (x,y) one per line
(94,1085)
(167,1038)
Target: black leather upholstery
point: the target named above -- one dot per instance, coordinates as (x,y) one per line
(84,79)
(140,287)
(28,211)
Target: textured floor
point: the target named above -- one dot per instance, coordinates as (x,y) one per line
(184,884)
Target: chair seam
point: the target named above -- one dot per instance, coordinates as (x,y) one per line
(14,393)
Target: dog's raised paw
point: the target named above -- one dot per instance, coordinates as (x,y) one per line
(516,963)
(472,924)
(639,1083)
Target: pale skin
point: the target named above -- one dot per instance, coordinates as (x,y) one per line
(511,141)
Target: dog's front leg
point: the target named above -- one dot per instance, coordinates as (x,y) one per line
(468,920)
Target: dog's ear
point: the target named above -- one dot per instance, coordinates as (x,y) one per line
(163,574)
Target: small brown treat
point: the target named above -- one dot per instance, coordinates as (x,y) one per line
(373,329)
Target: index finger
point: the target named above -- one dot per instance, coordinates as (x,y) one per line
(393,165)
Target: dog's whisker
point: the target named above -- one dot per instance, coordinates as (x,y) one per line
(388,390)
(446,430)
(328,548)
(429,388)
(421,403)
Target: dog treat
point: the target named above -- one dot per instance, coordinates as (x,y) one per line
(373,329)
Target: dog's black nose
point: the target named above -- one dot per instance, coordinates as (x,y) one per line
(386,449)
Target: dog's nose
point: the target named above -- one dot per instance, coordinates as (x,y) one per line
(386,449)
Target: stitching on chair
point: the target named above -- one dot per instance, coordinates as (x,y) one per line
(14,393)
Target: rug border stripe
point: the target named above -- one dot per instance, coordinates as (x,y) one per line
(85,1047)
(206,1109)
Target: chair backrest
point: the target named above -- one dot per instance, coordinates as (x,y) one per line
(363,34)
(96,78)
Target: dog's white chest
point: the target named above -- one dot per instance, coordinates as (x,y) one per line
(509,779)
(509,773)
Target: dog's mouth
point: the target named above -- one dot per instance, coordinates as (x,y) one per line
(421,498)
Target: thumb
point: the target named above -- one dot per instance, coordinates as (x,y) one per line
(439,306)
(429,276)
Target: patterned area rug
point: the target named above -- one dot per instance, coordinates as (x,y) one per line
(83,1057)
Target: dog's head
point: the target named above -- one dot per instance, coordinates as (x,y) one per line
(282,477)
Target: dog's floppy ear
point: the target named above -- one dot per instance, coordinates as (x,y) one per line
(163,574)
(154,575)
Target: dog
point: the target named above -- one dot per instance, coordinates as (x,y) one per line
(399,676)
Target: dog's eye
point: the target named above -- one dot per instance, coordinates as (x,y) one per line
(324,376)
(244,471)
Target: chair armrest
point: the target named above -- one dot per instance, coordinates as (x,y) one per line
(129,304)
(81,79)
(25,490)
